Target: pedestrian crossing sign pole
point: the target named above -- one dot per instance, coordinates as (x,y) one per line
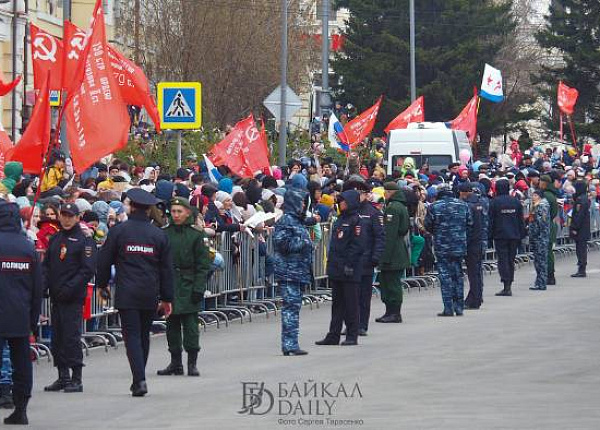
(180,105)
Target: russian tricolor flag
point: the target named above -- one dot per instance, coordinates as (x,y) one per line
(213,173)
(337,136)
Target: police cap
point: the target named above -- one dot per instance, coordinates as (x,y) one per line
(141,197)
(180,201)
(69,209)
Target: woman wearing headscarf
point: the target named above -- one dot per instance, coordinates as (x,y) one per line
(225,220)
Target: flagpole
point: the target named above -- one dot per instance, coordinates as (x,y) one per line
(413,65)
(284,55)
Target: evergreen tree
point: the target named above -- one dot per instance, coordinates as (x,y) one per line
(454,40)
(572,33)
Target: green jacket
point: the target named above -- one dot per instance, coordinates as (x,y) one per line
(191,263)
(550,195)
(396,223)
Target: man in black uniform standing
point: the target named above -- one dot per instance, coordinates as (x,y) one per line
(21,298)
(344,269)
(69,265)
(371,222)
(507,227)
(142,257)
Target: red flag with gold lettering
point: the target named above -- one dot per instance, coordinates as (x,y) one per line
(467,119)
(361,126)
(97,118)
(414,113)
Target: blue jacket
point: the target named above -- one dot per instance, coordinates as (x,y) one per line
(371,221)
(477,235)
(20,277)
(347,242)
(506,214)
(293,247)
(448,220)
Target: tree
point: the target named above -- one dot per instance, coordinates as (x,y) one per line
(572,33)
(231,46)
(455,38)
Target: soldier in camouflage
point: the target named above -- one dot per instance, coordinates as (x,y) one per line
(293,262)
(448,220)
(539,236)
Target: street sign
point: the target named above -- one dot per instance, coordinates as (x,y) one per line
(292,103)
(54,98)
(180,105)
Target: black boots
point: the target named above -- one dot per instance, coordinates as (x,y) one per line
(295,352)
(329,340)
(6,400)
(551,280)
(75,385)
(139,389)
(392,315)
(385,315)
(63,379)
(175,367)
(19,415)
(580,272)
(507,292)
(192,360)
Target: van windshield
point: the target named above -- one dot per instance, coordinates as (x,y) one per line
(435,162)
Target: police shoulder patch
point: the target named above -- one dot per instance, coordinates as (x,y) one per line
(88,251)
(357,230)
(381,219)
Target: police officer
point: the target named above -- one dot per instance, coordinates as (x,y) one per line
(539,235)
(476,243)
(448,220)
(141,255)
(507,228)
(20,303)
(293,266)
(345,251)
(69,265)
(371,222)
(191,262)
(579,229)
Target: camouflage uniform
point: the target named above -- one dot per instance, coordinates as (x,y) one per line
(448,220)
(293,264)
(539,236)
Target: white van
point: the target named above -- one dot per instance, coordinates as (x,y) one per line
(431,143)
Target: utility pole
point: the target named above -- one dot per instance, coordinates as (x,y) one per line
(413,66)
(15,11)
(136,32)
(325,101)
(284,55)
(64,143)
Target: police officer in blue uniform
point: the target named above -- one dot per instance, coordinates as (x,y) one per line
(477,236)
(507,227)
(20,303)
(371,222)
(448,220)
(69,265)
(144,281)
(344,270)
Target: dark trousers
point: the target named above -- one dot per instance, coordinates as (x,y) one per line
(21,363)
(188,323)
(136,324)
(581,251)
(506,249)
(67,320)
(475,274)
(364,300)
(344,309)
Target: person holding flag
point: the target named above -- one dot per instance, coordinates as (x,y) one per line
(337,135)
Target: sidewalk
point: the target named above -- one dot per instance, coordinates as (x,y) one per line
(530,361)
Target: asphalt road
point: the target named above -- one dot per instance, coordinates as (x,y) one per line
(531,361)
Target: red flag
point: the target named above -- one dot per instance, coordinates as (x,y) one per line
(6,88)
(132,81)
(243,150)
(97,119)
(133,84)
(467,119)
(567,97)
(414,113)
(47,53)
(74,45)
(361,126)
(5,146)
(33,145)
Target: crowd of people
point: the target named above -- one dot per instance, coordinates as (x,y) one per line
(147,233)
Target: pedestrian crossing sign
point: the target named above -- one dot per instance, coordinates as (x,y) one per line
(180,105)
